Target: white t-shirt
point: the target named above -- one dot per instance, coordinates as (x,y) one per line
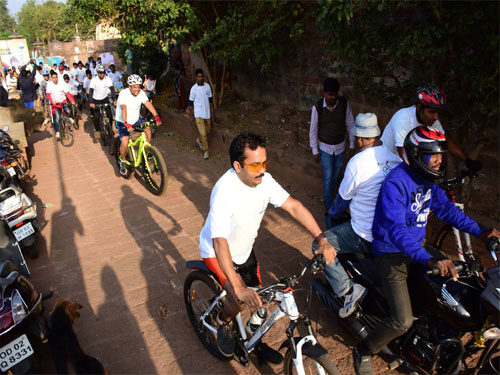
(80,74)
(199,95)
(236,211)
(101,87)
(61,75)
(72,86)
(133,104)
(116,76)
(86,84)
(93,71)
(57,92)
(400,125)
(363,177)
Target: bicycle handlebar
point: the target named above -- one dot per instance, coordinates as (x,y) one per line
(460,179)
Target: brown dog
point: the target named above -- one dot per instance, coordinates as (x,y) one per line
(67,354)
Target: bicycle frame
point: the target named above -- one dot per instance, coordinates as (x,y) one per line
(286,307)
(141,152)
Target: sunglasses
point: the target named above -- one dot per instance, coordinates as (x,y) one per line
(256,167)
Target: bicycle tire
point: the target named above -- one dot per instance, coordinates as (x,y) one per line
(76,118)
(117,159)
(324,362)
(67,137)
(207,338)
(110,142)
(160,170)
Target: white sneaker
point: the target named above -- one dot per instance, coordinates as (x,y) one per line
(58,136)
(352,299)
(206,155)
(200,145)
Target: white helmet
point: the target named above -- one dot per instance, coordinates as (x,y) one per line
(100,68)
(134,79)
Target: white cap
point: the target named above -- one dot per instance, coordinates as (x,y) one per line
(366,126)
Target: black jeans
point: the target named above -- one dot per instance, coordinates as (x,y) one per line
(96,116)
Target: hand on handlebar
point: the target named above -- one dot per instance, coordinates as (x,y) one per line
(445,266)
(158,120)
(128,126)
(249,297)
(328,251)
(474,165)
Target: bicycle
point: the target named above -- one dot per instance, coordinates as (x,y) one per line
(75,115)
(107,134)
(65,128)
(204,297)
(448,235)
(147,157)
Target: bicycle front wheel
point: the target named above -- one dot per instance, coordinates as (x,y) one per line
(76,118)
(67,138)
(311,365)
(155,170)
(200,291)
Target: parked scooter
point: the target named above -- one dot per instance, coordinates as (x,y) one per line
(21,321)
(446,313)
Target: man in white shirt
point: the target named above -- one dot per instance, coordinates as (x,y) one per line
(237,204)
(80,73)
(430,100)
(116,77)
(87,80)
(99,89)
(359,190)
(128,115)
(93,68)
(201,109)
(61,72)
(331,119)
(57,93)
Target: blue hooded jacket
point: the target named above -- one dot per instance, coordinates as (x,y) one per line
(403,205)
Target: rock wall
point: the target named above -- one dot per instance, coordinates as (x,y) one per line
(76,51)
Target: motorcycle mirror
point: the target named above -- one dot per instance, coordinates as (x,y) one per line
(5,128)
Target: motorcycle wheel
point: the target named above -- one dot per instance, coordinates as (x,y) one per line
(311,365)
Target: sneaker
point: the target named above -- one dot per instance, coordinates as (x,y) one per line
(352,299)
(362,363)
(123,167)
(267,354)
(225,337)
(58,135)
(206,155)
(200,145)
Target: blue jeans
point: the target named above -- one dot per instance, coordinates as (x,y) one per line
(57,116)
(331,166)
(344,240)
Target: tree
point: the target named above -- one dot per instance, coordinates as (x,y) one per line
(7,23)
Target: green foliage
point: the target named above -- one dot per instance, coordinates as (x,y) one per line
(150,59)
(52,20)
(7,23)
(389,48)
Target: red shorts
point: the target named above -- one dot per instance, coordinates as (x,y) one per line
(249,271)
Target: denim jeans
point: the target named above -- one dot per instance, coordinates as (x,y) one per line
(57,116)
(344,240)
(331,166)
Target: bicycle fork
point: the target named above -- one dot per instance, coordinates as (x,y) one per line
(458,240)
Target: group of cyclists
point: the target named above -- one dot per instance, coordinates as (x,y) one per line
(390,185)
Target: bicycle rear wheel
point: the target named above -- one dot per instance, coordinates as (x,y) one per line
(67,138)
(200,291)
(157,175)
(109,137)
(311,365)
(76,118)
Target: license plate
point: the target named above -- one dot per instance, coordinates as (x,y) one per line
(14,352)
(24,231)
(11,171)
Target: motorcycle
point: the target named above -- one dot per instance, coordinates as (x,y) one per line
(19,211)
(21,321)
(454,321)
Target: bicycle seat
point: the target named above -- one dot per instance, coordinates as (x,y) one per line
(199,265)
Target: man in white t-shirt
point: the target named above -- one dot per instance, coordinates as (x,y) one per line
(116,77)
(359,189)
(201,108)
(237,204)
(80,73)
(430,100)
(61,72)
(100,87)
(57,93)
(128,115)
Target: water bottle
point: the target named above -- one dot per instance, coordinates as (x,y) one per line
(256,320)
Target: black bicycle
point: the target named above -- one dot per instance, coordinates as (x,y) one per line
(65,128)
(107,134)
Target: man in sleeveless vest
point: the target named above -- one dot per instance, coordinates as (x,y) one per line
(331,119)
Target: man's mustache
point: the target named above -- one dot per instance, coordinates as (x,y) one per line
(260,175)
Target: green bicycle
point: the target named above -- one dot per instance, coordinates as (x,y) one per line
(145,157)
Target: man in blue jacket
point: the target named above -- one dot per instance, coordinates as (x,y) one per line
(407,196)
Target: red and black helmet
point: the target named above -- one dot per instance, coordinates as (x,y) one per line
(420,143)
(430,95)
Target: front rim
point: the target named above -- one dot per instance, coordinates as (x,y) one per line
(154,170)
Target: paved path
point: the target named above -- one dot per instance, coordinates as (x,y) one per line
(120,251)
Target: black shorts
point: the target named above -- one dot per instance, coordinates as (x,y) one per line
(249,271)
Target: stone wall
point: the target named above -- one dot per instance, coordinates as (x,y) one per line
(76,51)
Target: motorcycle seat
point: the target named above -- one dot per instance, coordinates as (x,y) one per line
(6,267)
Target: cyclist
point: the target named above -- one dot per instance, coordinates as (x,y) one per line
(406,197)
(99,89)
(42,89)
(57,92)
(127,115)
(429,101)
(237,204)
(62,71)
(358,190)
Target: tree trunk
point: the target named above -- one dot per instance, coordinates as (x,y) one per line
(222,82)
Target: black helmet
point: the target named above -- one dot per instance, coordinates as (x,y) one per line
(430,95)
(422,141)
